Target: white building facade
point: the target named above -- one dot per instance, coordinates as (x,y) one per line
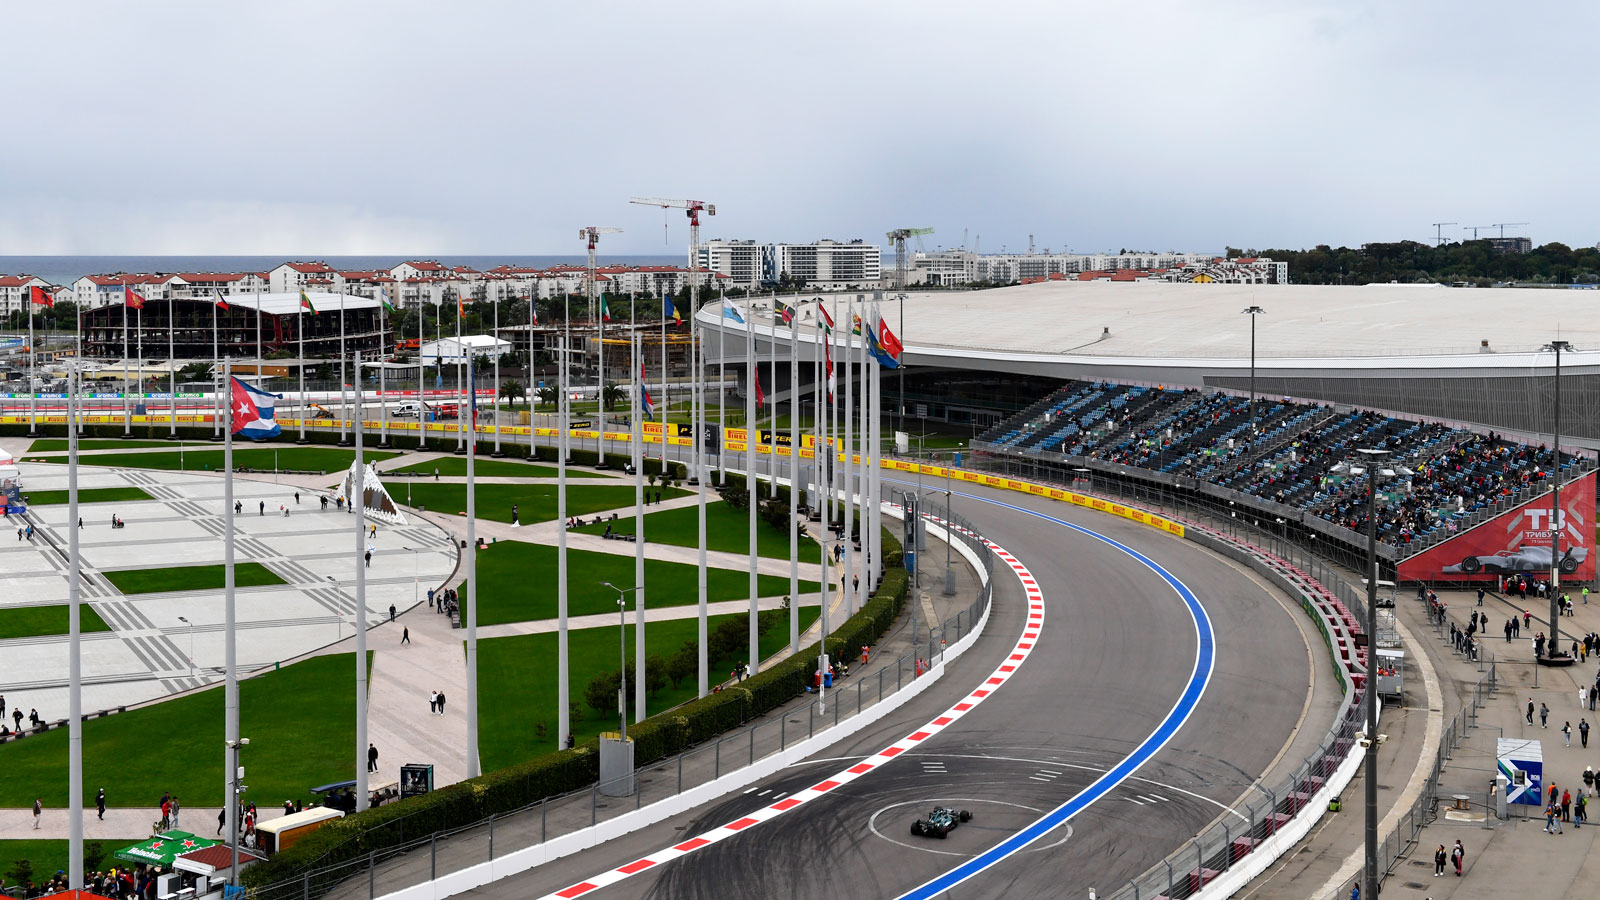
(16,293)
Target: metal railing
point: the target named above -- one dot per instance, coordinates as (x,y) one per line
(431,854)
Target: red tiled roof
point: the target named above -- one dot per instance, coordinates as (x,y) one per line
(16,280)
(426,265)
(310,267)
(219,856)
(122,278)
(214,276)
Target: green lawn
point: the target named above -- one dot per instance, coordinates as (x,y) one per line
(88,495)
(300,721)
(727,529)
(50,445)
(49,857)
(190,578)
(457,466)
(329,459)
(32,621)
(518,583)
(534,502)
(517,678)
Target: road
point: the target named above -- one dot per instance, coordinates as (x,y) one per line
(1116,652)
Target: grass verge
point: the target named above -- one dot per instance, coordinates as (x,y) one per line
(36,621)
(727,530)
(534,502)
(89,495)
(455,466)
(190,578)
(314,459)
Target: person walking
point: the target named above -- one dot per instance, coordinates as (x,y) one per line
(1530,710)
(1458,855)
(263,507)
(1588,778)
(1544,716)
(369,557)
(222,819)
(1438,861)
(433,702)
(441,703)
(372,758)
(391,606)
(1583,732)
(100,804)
(1480,596)
(405,635)
(1583,696)
(38,810)
(1355,891)
(515,521)
(1566,806)
(1580,810)
(1566,732)
(176,808)
(1552,821)
(296,498)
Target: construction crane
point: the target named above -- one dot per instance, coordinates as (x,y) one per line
(692,209)
(1438,229)
(898,238)
(591,234)
(1475,228)
(1504,225)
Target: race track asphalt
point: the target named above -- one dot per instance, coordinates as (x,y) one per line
(1114,655)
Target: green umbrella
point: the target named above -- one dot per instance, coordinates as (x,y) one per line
(162,849)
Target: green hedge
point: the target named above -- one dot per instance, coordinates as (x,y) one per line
(662,735)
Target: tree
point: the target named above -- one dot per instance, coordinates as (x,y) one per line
(655,674)
(324,371)
(601,693)
(513,391)
(21,873)
(549,395)
(611,395)
(195,371)
(684,663)
(93,853)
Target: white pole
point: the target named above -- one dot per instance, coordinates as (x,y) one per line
(752,487)
(33,374)
(127,414)
(666,395)
(637,437)
(722,397)
(461,355)
(358,501)
(216,371)
(75,638)
(384,352)
(562,418)
(172,369)
(300,335)
(472,591)
(600,386)
(495,348)
(794,482)
(422,372)
(344,400)
(864,480)
(702,472)
(230,643)
(875,532)
(847,476)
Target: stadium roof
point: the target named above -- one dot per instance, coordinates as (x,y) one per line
(288,304)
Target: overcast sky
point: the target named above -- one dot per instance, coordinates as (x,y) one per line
(487,127)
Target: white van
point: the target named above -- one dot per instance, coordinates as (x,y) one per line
(410,409)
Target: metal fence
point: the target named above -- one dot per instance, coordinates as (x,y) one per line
(1227,842)
(429,855)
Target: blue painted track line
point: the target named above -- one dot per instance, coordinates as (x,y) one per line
(1205,660)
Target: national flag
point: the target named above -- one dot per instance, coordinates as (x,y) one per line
(827,351)
(533,312)
(131,298)
(669,310)
(761,396)
(644,392)
(887,342)
(383,297)
(785,312)
(826,320)
(461,304)
(876,349)
(41,297)
(221,303)
(605,309)
(305,303)
(252,412)
(855,327)
(732,312)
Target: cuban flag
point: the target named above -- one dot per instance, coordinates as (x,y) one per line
(252,412)
(731,312)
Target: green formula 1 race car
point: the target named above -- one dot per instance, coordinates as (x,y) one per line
(940,822)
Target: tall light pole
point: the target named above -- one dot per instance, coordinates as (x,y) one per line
(1554,643)
(1252,312)
(622,654)
(1370,463)
(416,570)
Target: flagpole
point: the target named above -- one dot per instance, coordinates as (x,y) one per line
(383,370)
(344,400)
(230,645)
(358,503)
(422,373)
(461,355)
(637,437)
(300,334)
(127,414)
(794,482)
(495,336)
(138,340)
(666,395)
(75,652)
(533,421)
(752,486)
(722,397)
(847,478)
(33,377)
(172,370)
(702,472)
(600,396)
(472,585)
(562,712)
(216,361)
(875,535)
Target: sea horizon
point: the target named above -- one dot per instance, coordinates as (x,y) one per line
(65,269)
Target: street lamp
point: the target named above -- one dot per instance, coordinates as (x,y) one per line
(1554,643)
(622,654)
(1369,463)
(416,570)
(185,621)
(1252,311)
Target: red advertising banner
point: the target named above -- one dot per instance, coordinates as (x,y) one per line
(1516,541)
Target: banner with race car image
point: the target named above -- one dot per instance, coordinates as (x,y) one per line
(1516,541)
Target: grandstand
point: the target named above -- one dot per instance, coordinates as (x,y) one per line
(1204,442)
